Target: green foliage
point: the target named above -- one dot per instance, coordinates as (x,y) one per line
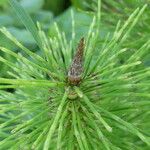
(111,106)
(10,20)
(114,11)
(56,6)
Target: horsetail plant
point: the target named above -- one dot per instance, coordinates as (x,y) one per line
(72,99)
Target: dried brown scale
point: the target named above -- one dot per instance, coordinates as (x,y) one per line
(76,69)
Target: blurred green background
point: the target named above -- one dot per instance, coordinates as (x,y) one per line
(49,11)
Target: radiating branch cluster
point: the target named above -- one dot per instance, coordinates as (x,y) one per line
(105,105)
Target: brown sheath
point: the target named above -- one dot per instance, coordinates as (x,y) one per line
(76,69)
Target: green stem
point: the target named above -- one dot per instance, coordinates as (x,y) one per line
(60,128)
(76,130)
(24,82)
(55,122)
(97,115)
